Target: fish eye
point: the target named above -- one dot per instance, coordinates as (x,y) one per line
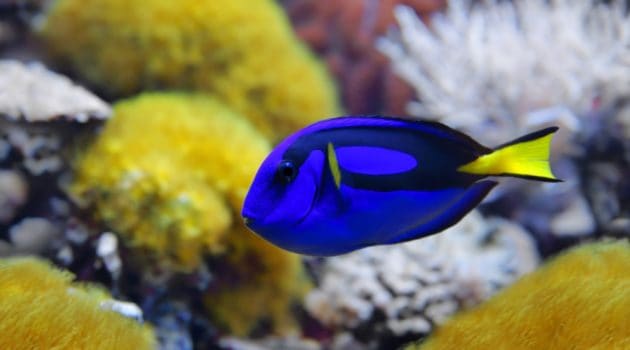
(287,171)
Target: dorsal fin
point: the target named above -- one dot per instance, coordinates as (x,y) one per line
(440,129)
(333,164)
(422,126)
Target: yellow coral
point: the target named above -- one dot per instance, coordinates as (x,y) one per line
(41,309)
(581,300)
(243,51)
(168,171)
(257,282)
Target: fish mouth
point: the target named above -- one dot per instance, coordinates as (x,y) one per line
(253,224)
(248,219)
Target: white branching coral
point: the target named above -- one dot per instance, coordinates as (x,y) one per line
(408,288)
(487,66)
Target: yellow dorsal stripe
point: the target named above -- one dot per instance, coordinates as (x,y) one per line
(334,165)
(528,158)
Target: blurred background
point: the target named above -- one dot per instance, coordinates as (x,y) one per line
(131,130)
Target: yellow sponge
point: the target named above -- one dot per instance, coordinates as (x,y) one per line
(41,309)
(580,300)
(168,172)
(243,51)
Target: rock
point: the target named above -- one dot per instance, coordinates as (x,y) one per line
(40,149)
(576,220)
(127,309)
(107,250)
(289,343)
(32,235)
(13,194)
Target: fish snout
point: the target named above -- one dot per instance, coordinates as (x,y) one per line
(249,219)
(255,225)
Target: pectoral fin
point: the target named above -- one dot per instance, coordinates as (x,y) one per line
(333,164)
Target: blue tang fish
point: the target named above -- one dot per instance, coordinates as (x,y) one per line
(351,182)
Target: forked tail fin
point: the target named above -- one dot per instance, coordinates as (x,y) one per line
(527,157)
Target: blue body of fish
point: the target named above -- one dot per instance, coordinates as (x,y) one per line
(351,182)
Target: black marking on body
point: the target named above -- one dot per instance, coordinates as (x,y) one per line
(437,157)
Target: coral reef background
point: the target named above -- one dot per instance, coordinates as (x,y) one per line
(343,34)
(129,133)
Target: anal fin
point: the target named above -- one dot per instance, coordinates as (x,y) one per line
(469,199)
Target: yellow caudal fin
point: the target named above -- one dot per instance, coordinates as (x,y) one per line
(527,157)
